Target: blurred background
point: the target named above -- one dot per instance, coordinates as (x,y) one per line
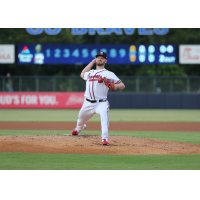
(160,67)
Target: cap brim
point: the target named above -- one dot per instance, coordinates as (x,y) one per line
(100,55)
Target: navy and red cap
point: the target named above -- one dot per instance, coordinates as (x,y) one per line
(101,54)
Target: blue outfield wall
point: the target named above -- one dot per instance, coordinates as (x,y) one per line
(160,101)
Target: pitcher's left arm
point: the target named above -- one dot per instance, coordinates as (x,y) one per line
(119,86)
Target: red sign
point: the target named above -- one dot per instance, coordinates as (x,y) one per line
(71,100)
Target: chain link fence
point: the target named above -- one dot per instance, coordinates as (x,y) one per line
(134,84)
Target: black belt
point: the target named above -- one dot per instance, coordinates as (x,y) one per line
(94,101)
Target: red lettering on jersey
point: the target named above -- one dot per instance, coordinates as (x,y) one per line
(93,77)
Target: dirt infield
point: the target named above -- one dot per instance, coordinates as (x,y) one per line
(91,144)
(113,126)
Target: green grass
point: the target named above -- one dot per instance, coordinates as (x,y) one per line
(115,115)
(185,137)
(27,161)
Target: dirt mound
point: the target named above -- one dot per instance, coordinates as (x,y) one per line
(91,144)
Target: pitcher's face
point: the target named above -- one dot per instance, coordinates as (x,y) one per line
(100,61)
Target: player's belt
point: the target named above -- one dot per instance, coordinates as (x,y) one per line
(94,101)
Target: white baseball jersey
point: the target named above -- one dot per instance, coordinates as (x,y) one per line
(95,90)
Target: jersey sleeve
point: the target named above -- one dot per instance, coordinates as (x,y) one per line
(113,77)
(86,75)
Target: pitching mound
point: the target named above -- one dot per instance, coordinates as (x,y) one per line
(91,144)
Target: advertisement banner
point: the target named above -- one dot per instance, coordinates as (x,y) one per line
(7,54)
(48,100)
(189,54)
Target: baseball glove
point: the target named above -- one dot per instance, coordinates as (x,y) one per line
(110,84)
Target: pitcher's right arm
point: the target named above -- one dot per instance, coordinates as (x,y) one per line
(88,68)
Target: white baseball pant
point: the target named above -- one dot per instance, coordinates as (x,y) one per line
(88,110)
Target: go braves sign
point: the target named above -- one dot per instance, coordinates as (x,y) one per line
(57,100)
(100,31)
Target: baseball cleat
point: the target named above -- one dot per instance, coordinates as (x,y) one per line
(104,142)
(74,132)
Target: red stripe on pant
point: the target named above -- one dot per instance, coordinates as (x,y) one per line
(107,113)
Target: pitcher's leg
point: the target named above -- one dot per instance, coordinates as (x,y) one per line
(85,114)
(102,110)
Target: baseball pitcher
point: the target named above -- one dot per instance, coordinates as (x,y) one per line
(98,82)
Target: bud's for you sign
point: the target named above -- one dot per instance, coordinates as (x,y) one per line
(55,100)
(7,54)
(189,54)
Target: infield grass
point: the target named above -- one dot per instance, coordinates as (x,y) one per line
(115,115)
(30,161)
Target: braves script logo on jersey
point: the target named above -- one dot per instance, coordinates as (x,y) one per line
(93,77)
